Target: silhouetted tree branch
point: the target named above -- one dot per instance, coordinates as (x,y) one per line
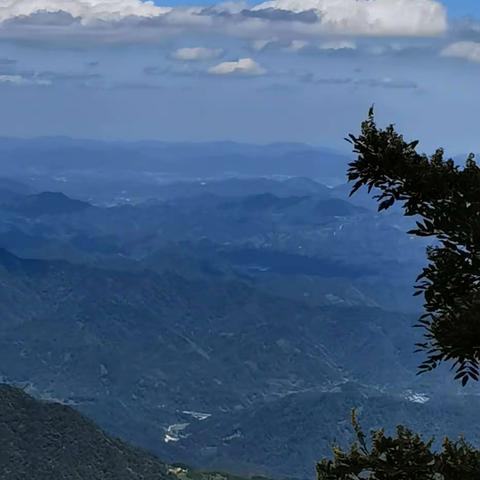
(446,199)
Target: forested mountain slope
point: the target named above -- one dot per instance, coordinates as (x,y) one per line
(45,441)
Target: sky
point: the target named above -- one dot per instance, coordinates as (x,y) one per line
(277,70)
(462,7)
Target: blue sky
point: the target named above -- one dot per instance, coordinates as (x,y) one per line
(463,7)
(283,70)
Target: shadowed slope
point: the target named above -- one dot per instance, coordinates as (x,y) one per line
(40,440)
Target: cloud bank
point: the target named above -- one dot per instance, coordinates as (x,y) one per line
(370,17)
(465,50)
(111,20)
(85,10)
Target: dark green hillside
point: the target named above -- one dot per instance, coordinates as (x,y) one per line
(42,440)
(47,441)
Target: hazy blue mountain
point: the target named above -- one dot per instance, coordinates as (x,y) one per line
(11,190)
(126,172)
(185,159)
(278,230)
(213,312)
(14,186)
(241,187)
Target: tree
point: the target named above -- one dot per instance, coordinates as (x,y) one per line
(446,201)
(404,457)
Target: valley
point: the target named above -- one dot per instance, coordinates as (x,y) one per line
(224,321)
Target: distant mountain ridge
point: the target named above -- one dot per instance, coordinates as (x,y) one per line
(76,166)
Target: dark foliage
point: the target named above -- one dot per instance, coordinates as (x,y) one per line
(403,457)
(446,200)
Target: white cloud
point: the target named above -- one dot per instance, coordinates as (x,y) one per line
(466,50)
(87,10)
(196,53)
(230,7)
(371,17)
(243,66)
(13,79)
(338,45)
(19,80)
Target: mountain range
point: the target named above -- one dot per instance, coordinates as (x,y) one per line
(223,321)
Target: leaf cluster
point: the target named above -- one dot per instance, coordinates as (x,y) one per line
(402,457)
(446,200)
